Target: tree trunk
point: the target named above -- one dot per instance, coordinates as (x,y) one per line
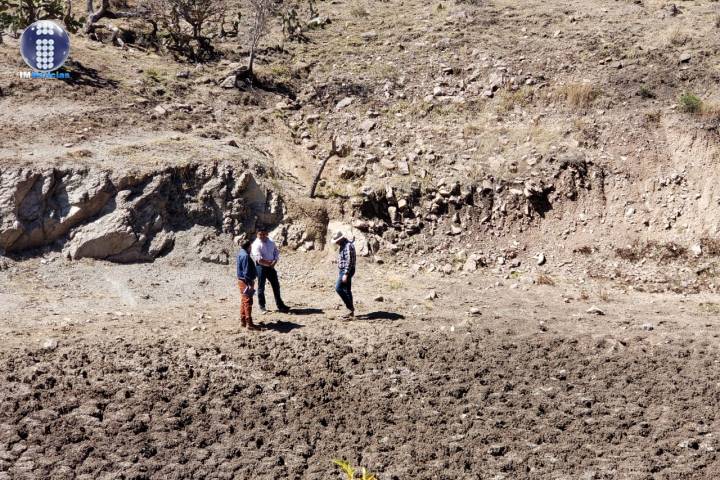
(67,15)
(251,60)
(103,12)
(333,151)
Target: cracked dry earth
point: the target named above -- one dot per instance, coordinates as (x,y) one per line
(151,378)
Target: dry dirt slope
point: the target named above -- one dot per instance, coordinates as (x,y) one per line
(566,80)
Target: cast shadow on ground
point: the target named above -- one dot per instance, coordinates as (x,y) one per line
(306,311)
(380,315)
(281,326)
(82,75)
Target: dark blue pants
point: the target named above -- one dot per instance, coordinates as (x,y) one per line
(269,274)
(345,291)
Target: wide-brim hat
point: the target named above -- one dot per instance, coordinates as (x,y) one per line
(337,236)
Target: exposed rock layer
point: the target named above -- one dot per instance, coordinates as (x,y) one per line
(127,217)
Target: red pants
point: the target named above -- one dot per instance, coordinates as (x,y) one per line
(246,302)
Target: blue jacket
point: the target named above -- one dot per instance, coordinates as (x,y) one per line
(246,270)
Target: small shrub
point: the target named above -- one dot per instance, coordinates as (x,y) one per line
(584,250)
(16,15)
(690,103)
(677,37)
(359,11)
(645,92)
(153,74)
(653,117)
(651,250)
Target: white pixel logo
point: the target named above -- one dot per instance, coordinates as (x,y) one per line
(45,46)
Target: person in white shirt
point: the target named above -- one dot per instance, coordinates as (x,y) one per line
(266,255)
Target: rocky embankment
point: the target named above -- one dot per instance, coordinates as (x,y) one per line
(392,217)
(131,216)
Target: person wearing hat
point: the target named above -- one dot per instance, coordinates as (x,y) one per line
(346,266)
(266,255)
(246,274)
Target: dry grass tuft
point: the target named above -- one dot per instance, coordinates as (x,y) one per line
(510,99)
(603,295)
(358,10)
(677,36)
(580,95)
(543,279)
(710,246)
(709,307)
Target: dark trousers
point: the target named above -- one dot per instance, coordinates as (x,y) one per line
(269,274)
(345,291)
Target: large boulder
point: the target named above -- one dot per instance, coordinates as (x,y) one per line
(39,207)
(108,236)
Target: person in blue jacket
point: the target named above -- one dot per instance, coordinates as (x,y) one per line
(246,275)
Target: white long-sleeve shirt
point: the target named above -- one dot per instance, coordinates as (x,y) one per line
(266,250)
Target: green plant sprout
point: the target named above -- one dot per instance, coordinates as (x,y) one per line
(349,471)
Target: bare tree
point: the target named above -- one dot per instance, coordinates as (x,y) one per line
(341,150)
(5,17)
(104,11)
(261,12)
(186,23)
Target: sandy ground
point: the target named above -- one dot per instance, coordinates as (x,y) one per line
(152,377)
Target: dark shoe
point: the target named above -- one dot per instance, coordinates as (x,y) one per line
(284,309)
(252,327)
(349,316)
(243,322)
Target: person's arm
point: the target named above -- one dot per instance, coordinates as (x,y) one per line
(276,255)
(351,263)
(343,263)
(241,267)
(255,251)
(251,272)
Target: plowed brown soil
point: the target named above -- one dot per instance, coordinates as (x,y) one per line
(532,387)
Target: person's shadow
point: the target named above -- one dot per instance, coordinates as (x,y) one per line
(281,326)
(380,315)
